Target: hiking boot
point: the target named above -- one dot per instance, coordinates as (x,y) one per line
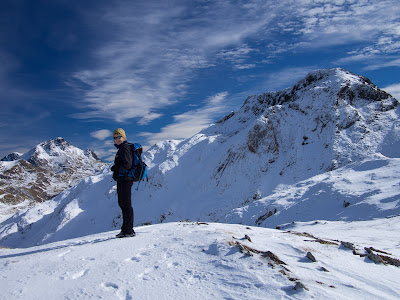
(130,234)
(123,235)
(120,235)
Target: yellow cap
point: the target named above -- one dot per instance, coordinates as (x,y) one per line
(119,131)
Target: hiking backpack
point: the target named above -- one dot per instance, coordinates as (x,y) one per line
(139,169)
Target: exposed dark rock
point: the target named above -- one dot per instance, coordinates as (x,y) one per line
(348,245)
(311,257)
(11,157)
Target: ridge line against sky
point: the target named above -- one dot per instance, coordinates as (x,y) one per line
(166,69)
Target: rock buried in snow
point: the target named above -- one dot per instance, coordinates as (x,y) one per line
(374,257)
(311,257)
(349,245)
(248,238)
(300,286)
(248,251)
(273,257)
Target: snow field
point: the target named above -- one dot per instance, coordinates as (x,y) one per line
(200,261)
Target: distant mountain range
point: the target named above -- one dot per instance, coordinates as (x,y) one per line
(45,171)
(326,148)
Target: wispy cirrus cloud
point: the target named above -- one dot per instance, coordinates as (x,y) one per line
(148,64)
(191,122)
(152,61)
(394,90)
(326,24)
(237,57)
(156,50)
(285,78)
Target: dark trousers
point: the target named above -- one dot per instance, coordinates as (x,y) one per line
(124,191)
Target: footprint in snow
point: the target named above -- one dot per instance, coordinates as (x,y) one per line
(112,287)
(77,275)
(172,265)
(64,253)
(147,271)
(80,274)
(135,259)
(88,259)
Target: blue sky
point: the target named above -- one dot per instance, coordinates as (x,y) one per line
(166,69)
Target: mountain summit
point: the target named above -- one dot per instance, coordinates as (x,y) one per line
(327,121)
(45,171)
(326,148)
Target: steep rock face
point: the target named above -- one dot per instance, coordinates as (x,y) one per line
(45,171)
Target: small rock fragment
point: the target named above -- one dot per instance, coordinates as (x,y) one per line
(300,286)
(349,245)
(248,238)
(311,257)
(241,248)
(273,257)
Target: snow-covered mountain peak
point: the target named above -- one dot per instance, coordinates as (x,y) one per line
(160,152)
(45,170)
(334,107)
(326,121)
(12,156)
(55,152)
(336,86)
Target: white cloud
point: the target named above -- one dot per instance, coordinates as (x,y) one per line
(238,57)
(155,50)
(285,78)
(101,134)
(394,90)
(187,124)
(217,98)
(379,63)
(328,23)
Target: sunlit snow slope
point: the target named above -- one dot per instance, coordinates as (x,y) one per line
(211,261)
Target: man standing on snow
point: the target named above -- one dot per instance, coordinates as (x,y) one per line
(123,163)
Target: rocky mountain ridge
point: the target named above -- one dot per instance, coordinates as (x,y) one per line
(45,171)
(325,122)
